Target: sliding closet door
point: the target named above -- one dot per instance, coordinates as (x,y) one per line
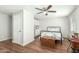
(17,28)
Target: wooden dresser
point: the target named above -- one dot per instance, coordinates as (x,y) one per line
(47,41)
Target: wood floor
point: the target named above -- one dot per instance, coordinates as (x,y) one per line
(33,47)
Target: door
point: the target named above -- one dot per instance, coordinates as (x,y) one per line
(17,28)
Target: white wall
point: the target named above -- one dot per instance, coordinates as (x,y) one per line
(10,26)
(17,19)
(4,27)
(28,27)
(74,17)
(23,26)
(63,22)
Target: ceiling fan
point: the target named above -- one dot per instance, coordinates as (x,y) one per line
(45,10)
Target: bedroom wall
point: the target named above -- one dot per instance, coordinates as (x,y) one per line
(63,22)
(74,18)
(23,27)
(28,27)
(5,26)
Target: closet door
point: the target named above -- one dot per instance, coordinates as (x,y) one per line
(17,28)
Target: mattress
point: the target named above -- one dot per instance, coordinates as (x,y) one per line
(56,35)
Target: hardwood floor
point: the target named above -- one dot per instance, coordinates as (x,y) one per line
(33,47)
(36,47)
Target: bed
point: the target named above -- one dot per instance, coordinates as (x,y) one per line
(53,31)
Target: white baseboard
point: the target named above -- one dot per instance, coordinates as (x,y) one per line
(7,38)
(24,44)
(17,43)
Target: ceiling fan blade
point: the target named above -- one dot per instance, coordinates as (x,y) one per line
(49,7)
(38,9)
(51,11)
(39,12)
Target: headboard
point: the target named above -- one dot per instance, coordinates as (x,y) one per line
(54,28)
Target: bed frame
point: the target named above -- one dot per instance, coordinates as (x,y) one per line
(53,27)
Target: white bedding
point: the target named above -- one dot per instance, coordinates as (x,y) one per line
(57,35)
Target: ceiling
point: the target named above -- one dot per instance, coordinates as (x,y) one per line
(61,10)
